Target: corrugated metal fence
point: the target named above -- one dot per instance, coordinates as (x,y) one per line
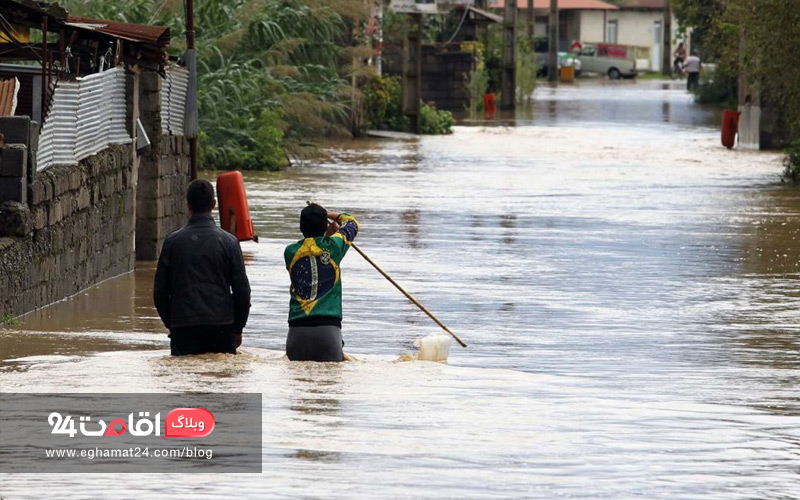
(173,100)
(86,116)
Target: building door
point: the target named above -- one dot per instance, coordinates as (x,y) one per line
(655,52)
(612,31)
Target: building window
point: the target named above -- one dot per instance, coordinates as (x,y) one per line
(611,31)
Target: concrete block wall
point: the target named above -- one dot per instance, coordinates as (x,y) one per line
(78,231)
(163,175)
(443,80)
(67,228)
(443,71)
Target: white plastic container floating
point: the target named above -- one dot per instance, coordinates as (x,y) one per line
(433,348)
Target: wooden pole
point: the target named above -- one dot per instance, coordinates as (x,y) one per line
(44,68)
(482,30)
(190,44)
(408,295)
(531,18)
(552,42)
(509,83)
(666,50)
(412,72)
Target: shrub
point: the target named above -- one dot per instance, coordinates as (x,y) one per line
(384,101)
(435,122)
(248,143)
(791,162)
(717,87)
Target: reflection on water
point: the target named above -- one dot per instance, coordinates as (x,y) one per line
(626,285)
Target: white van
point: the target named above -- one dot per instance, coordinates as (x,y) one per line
(614,61)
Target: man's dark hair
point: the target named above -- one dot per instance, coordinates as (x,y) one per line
(313,221)
(200,196)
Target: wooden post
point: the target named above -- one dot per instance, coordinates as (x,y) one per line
(531,18)
(45,76)
(482,28)
(412,72)
(666,50)
(509,89)
(552,42)
(190,45)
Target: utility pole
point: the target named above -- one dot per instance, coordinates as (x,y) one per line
(531,22)
(190,45)
(412,72)
(509,89)
(666,51)
(482,28)
(552,42)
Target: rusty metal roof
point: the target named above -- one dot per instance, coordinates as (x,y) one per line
(8,96)
(141,33)
(562,4)
(643,4)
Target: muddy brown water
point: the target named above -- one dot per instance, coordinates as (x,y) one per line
(627,286)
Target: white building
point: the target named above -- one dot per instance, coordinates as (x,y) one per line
(636,23)
(577,19)
(640,23)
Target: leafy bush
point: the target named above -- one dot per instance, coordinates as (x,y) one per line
(791,162)
(435,122)
(716,87)
(476,82)
(526,70)
(384,100)
(249,143)
(384,103)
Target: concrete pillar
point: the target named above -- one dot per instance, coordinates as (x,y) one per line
(412,72)
(148,238)
(17,134)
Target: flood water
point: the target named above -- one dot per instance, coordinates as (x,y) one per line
(627,288)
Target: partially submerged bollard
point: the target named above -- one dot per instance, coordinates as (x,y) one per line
(234,214)
(730,127)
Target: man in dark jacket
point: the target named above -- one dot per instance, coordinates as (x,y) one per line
(201,289)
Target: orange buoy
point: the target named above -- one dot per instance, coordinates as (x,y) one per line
(730,127)
(234,214)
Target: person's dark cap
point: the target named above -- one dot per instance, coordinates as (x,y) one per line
(313,221)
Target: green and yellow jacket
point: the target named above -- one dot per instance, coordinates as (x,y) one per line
(313,265)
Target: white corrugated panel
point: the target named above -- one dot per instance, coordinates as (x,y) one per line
(165,101)
(118,129)
(92,115)
(57,140)
(173,100)
(85,117)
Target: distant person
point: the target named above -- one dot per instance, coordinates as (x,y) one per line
(692,68)
(680,58)
(201,289)
(315,307)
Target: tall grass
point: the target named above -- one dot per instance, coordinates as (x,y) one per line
(272,74)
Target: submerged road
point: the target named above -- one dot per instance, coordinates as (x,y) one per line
(627,286)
